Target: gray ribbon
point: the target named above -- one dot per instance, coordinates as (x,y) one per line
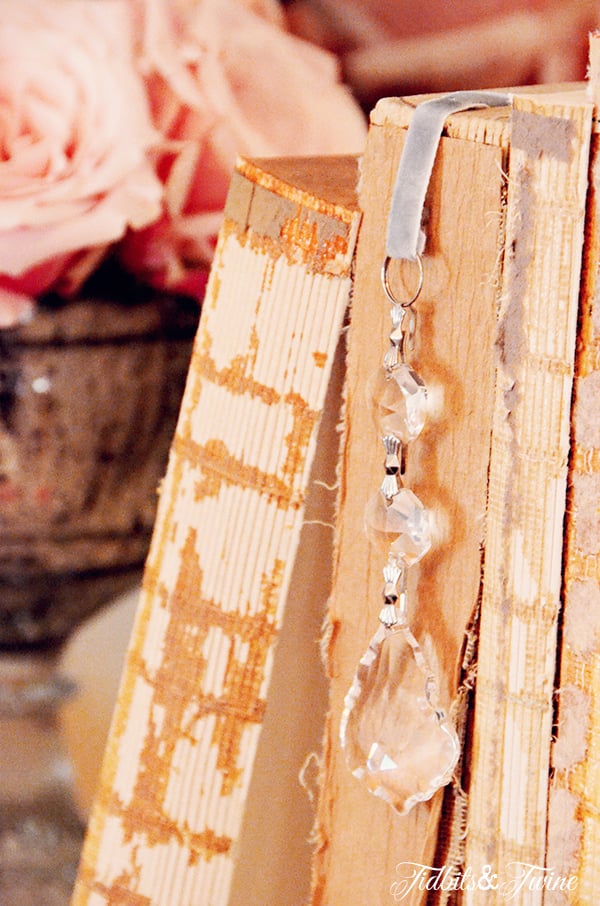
(405,238)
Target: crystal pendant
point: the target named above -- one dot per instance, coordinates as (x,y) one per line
(399,525)
(395,738)
(399,400)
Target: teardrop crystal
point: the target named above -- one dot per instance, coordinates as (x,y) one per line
(399,525)
(399,400)
(395,737)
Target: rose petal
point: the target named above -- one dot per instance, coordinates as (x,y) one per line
(75,168)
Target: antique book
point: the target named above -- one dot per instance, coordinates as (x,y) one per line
(243,529)
(574,803)
(522,574)
(495,339)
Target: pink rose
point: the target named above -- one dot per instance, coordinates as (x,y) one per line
(75,127)
(224,78)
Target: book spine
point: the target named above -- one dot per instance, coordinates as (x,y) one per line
(574,804)
(547,187)
(192,701)
(447,466)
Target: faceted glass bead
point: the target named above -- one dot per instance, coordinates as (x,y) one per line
(395,737)
(399,526)
(399,400)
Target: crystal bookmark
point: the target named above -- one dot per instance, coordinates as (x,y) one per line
(396,737)
(394,733)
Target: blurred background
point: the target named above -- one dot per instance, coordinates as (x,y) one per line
(407,47)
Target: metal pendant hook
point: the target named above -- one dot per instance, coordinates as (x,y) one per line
(385,280)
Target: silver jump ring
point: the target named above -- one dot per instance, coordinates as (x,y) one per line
(385,279)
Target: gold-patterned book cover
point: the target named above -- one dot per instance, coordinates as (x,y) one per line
(193,695)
